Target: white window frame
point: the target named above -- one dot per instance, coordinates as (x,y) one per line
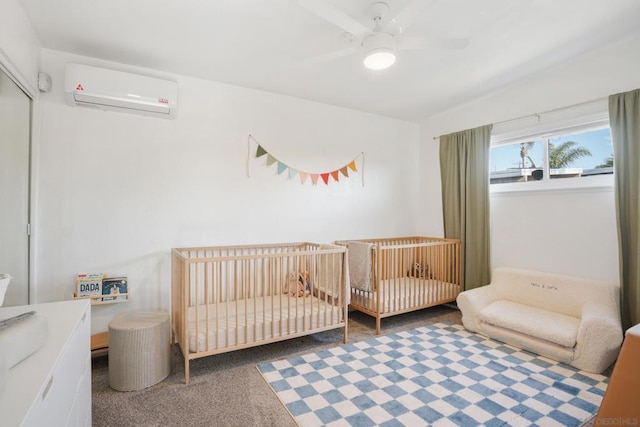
(581,118)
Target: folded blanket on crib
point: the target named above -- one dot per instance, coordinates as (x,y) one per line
(360,265)
(335,272)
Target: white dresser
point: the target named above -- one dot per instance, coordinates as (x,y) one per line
(52,387)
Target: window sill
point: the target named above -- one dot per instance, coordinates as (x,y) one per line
(569,185)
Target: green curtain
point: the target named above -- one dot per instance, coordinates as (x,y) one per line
(464,168)
(624,119)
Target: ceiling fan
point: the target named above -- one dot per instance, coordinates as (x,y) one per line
(379,40)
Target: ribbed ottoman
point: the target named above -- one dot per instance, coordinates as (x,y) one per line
(139,349)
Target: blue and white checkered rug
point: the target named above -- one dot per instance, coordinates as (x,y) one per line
(436,375)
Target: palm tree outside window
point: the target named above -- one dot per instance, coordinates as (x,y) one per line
(579,155)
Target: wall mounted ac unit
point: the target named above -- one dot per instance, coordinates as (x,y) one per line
(119,91)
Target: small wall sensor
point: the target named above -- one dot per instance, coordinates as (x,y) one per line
(44,82)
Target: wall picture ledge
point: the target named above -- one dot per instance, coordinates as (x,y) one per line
(304,176)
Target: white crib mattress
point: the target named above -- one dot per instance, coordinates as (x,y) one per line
(404,293)
(251,320)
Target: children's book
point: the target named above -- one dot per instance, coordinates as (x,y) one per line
(115,288)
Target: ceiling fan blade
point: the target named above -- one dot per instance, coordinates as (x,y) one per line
(405,17)
(329,56)
(334,15)
(414,43)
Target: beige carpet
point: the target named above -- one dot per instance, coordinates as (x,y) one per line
(227,389)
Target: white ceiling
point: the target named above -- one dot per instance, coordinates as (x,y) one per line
(267,44)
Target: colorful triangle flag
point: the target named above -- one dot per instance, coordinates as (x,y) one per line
(352,166)
(271,160)
(314,178)
(260,151)
(292,173)
(325,178)
(345,171)
(334,174)
(281,167)
(303,177)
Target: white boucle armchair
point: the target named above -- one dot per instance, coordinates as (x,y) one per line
(568,319)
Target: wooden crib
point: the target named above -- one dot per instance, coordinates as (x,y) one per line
(408,274)
(227,298)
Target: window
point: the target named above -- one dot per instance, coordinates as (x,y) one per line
(579,155)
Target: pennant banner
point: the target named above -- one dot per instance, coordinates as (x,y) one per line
(292,172)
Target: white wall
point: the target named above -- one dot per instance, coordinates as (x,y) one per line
(118,191)
(567,231)
(570,232)
(19,46)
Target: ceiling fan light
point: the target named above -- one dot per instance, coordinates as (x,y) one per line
(379,59)
(379,51)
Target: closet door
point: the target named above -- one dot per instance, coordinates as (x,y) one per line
(15,125)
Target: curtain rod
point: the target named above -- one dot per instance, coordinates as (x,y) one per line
(537,115)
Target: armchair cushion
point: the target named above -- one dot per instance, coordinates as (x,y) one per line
(545,325)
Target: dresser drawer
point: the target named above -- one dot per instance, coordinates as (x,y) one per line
(80,415)
(54,404)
